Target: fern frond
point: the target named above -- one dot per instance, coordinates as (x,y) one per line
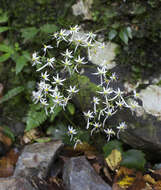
(11,93)
(35,117)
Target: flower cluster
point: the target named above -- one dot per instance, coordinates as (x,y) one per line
(54,89)
(107,102)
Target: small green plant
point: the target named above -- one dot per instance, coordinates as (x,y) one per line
(55,89)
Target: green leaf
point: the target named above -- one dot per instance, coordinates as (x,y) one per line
(112,34)
(21,61)
(3,18)
(5,57)
(139,9)
(71,108)
(123,36)
(114,144)
(49,28)
(110,13)
(3,29)
(26,54)
(129,32)
(11,93)
(29,33)
(7,131)
(35,118)
(134,159)
(6,48)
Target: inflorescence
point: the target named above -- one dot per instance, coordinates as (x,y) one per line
(53,91)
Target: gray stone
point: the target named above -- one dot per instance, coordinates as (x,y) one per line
(35,159)
(15,184)
(78,174)
(103,56)
(143,132)
(151,98)
(83,8)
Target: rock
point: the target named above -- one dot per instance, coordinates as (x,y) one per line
(15,184)
(35,159)
(104,55)
(78,174)
(143,131)
(83,8)
(151,98)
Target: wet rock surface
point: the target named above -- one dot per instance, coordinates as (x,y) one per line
(78,174)
(35,159)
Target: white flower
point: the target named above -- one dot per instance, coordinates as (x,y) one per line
(62,35)
(65,101)
(56,95)
(122,126)
(109,113)
(49,63)
(47,88)
(41,85)
(79,61)
(67,54)
(71,132)
(44,102)
(45,76)
(136,95)
(72,90)
(102,72)
(120,103)
(58,102)
(88,115)
(91,35)
(96,102)
(66,63)
(118,94)
(88,44)
(101,46)
(37,96)
(109,133)
(133,105)
(106,91)
(74,29)
(46,47)
(55,35)
(58,80)
(96,127)
(79,41)
(113,77)
(57,98)
(35,59)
